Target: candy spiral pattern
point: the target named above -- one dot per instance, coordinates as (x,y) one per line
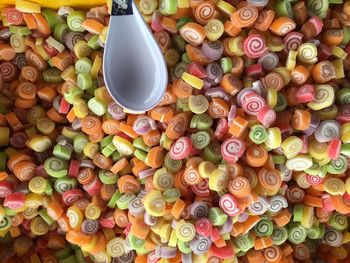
(259,207)
(272,80)
(239,186)
(277,203)
(254,46)
(204,12)
(232,149)
(269,61)
(273,253)
(333,237)
(327,130)
(200,245)
(264,227)
(90,227)
(279,235)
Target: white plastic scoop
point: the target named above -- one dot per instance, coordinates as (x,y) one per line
(134,68)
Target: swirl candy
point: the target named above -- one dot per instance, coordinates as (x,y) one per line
(245,159)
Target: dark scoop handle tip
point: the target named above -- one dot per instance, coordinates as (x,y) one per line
(122,7)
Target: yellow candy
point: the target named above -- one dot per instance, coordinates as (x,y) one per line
(192,80)
(91,149)
(345,132)
(334,186)
(273,138)
(154,203)
(68,73)
(96,66)
(205,169)
(40,143)
(171,57)
(214,29)
(235,45)
(339,68)
(183,3)
(324,97)
(75,216)
(34,258)
(225,7)
(284,73)
(2,212)
(4,136)
(27,7)
(80,108)
(22,245)
(33,200)
(318,150)
(307,218)
(218,180)
(339,52)
(173,239)
(102,257)
(299,163)
(165,232)
(124,147)
(185,231)
(292,146)
(38,226)
(271,97)
(92,211)
(37,185)
(291,60)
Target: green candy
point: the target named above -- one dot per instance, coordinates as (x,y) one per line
(124,200)
(184,247)
(264,227)
(20,30)
(217,216)
(83,65)
(226,64)
(113,201)
(258,134)
(279,235)
(93,42)
(212,153)
(171,195)
(79,142)
(318,8)
(343,96)
(64,184)
(63,253)
(43,214)
(201,121)
(56,167)
(140,144)
(107,177)
(338,166)
(141,155)
(316,231)
(62,152)
(59,31)
(296,233)
(183,21)
(200,140)
(97,106)
(284,8)
(52,75)
(172,165)
(74,20)
(244,242)
(84,81)
(338,221)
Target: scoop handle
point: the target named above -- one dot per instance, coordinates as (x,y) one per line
(122,8)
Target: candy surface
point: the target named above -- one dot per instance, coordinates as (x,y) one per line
(245,159)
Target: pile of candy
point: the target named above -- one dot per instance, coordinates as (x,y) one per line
(245,159)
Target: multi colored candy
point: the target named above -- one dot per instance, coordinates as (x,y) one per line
(245,159)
